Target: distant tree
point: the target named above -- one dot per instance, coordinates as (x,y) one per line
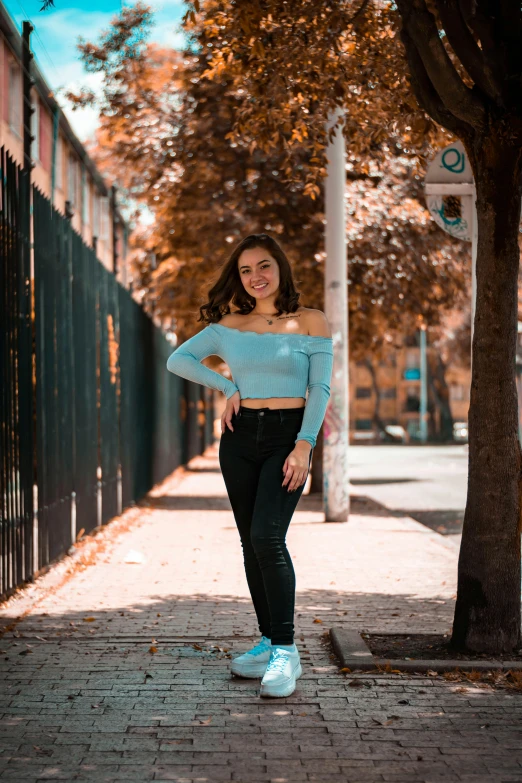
(166,136)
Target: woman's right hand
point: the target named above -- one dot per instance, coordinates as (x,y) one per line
(232,407)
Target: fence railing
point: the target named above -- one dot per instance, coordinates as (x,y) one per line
(90,418)
(16,419)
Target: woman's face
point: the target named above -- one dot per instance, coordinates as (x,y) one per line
(259,272)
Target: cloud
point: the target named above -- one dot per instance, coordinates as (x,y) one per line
(83,121)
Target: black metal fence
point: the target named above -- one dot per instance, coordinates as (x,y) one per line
(16,430)
(90,417)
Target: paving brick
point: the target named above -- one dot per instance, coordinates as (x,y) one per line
(92,703)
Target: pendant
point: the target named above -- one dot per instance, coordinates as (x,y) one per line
(270,322)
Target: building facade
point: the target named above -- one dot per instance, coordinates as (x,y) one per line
(390,387)
(62,169)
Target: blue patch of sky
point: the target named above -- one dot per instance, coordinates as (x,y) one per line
(55,37)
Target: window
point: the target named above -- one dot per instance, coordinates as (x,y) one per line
(35,130)
(45,122)
(457,392)
(412,358)
(104,218)
(363,424)
(363,392)
(389,393)
(85,198)
(95,214)
(59,164)
(15,98)
(72,181)
(412,404)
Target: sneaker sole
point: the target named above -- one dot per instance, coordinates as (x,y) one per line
(276,692)
(255,670)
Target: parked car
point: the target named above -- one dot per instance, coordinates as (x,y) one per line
(363,436)
(460,431)
(395,433)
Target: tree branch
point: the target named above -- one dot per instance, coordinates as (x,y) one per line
(426,94)
(359,11)
(466,48)
(498,26)
(456,97)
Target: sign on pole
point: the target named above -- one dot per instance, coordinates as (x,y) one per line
(450,198)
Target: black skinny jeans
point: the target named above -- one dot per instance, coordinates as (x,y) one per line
(251,459)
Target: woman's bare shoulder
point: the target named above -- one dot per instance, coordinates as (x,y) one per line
(317,323)
(232,320)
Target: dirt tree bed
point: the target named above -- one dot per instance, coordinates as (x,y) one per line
(424,647)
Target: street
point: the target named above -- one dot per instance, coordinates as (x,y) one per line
(427,483)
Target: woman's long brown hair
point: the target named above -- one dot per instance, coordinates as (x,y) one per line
(228,288)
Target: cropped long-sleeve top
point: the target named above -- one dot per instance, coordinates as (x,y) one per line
(263,364)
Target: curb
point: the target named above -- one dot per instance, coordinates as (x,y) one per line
(354,653)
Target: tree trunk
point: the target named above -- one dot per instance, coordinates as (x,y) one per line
(487,612)
(440,394)
(377,421)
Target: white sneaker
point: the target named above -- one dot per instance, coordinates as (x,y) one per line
(284,667)
(254,662)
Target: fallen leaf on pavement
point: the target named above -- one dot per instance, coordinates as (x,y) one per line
(43,751)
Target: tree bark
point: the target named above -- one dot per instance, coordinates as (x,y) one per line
(440,394)
(487,612)
(377,421)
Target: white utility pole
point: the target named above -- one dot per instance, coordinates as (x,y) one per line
(336,423)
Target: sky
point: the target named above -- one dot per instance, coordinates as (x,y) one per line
(55,36)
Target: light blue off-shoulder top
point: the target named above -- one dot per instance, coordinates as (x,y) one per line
(263,364)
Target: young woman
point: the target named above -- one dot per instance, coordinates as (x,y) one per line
(276,350)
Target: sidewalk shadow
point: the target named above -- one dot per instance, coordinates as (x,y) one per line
(225,616)
(379,481)
(447,522)
(186,503)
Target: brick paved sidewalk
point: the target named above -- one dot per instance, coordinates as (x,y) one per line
(85,697)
